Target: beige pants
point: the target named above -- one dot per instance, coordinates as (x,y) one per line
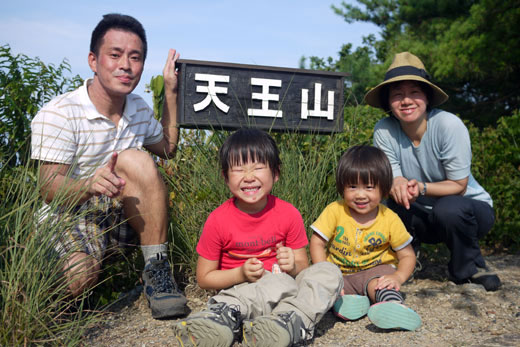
(311,294)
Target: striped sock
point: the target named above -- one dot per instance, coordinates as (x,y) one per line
(388,295)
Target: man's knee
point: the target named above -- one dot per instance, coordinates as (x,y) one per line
(132,159)
(82,272)
(133,164)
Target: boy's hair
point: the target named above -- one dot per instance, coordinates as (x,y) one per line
(247,144)
(119,22)
(367,165)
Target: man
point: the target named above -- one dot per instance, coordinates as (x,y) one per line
(90,146)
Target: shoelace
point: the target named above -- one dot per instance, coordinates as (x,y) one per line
(161,278)
(234,314)
(306,341)
(305,332)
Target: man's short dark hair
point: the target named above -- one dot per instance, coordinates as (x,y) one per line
(365,165)
(248,144)
(119,22)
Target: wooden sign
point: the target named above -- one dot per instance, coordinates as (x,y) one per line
(230,96)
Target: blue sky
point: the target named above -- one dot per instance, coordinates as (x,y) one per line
(267,32)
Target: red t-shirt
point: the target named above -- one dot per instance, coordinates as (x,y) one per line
(231,236)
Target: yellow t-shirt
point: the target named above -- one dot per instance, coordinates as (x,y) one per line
(353,247)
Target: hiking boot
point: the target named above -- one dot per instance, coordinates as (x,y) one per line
(275,330)
(487,278)
(351,307)
(164,297)
(217,326)
(393,315)
(484,277)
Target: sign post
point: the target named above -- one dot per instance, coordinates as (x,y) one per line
(229,96)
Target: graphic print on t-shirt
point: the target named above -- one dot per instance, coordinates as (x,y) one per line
(359,249)
(264,254)
(254,245)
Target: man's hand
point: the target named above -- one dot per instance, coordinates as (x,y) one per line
(285,258)
(105,181)
(253,270)
(167,146)
(170,72)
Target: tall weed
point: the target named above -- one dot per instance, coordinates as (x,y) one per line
(34,304)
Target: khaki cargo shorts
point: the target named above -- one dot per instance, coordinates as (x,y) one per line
(95,227)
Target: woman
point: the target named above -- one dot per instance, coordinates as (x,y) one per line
(433,190)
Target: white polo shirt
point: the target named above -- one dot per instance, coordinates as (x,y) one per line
(69,130)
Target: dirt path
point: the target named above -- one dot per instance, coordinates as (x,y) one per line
(452,315)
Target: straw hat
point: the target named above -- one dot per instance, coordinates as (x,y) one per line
(406,67)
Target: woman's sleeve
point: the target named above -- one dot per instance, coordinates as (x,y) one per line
(455,150)
(385,140)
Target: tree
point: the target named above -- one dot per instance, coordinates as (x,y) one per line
(470,47)
(25,85)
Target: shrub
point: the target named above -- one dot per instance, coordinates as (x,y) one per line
(25,85)
(496,166)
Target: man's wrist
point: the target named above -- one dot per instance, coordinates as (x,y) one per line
(171,90)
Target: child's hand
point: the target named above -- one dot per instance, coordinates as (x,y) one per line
(389,282)
(285,258)
(253,269)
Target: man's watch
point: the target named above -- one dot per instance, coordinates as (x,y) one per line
(423,191)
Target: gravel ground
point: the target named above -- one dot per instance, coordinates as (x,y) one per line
(452,315)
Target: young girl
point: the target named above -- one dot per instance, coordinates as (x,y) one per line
(367,241)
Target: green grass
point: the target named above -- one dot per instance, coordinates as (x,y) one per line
(34,305)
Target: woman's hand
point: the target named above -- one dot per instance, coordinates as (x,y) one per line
(403,191)
(414,187)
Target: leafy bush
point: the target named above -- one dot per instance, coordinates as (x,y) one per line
(25,85)
(496,166)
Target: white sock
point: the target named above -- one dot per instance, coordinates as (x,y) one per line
(159,251)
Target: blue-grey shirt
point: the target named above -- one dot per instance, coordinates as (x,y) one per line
(443,154)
